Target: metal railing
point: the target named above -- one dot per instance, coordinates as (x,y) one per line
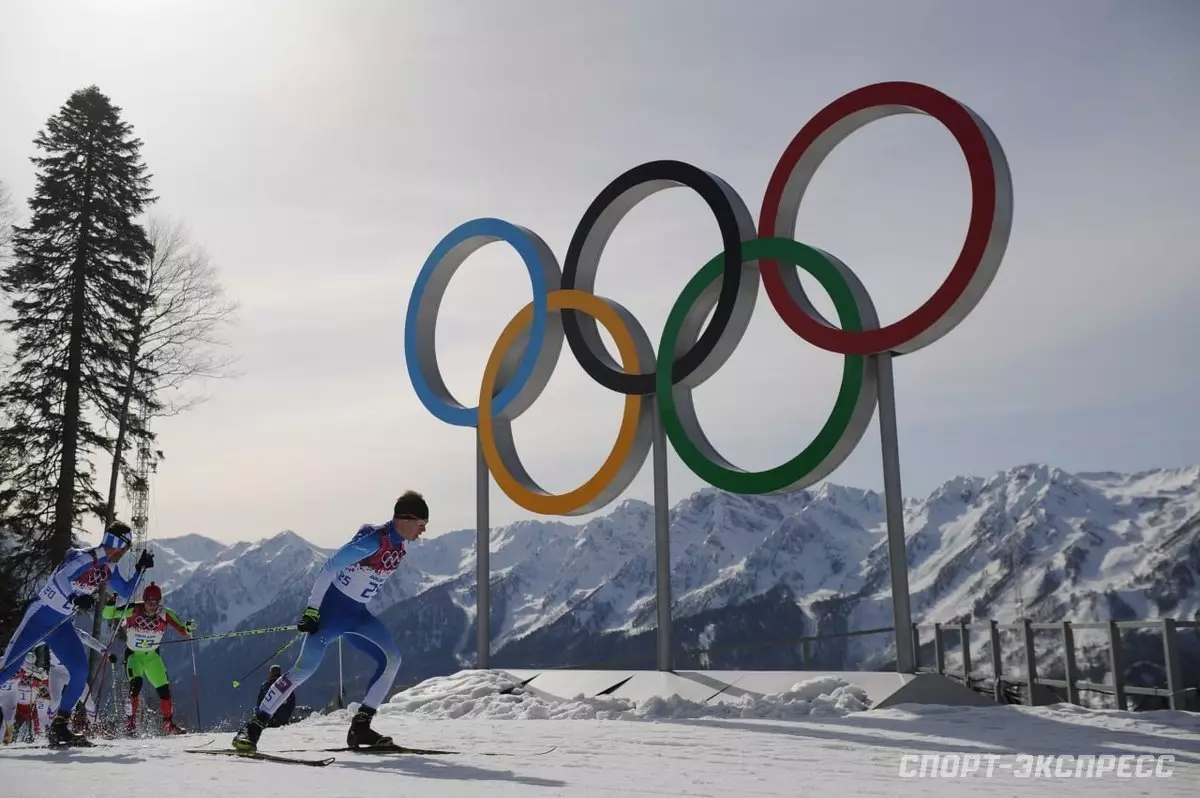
(1174,692)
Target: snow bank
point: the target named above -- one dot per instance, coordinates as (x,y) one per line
(484,694)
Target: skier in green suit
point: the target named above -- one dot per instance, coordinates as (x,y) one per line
(145,624)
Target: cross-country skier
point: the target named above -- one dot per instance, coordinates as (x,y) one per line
(336,607)
(18,700)
(145,624)
(71,587)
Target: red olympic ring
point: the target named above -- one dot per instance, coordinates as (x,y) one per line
(982,250)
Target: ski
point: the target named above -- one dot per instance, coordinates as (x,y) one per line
(318,763)
(59,747)
(403,749)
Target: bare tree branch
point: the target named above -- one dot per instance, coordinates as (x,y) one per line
(181,337)
(174,340)
(8,217)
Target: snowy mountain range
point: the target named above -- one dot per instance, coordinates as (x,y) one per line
(746,570)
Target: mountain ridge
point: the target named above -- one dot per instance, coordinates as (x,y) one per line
(1032,539)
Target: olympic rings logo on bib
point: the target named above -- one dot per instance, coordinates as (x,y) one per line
(145,623)
(564,306)
(389,560)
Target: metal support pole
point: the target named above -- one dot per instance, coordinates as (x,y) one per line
(1069,662)
(483,568)
(964,636)
(1172,661)
(1030,658)
(906,657)
(997,661)
(662,542)
(1116,663)
(341,686)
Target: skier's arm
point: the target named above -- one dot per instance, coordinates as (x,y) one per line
(121,586)
(363,545)
(59,590)
(174,622)
(112,611)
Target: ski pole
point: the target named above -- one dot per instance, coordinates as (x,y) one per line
(240,633)
(196,683)
(238,682)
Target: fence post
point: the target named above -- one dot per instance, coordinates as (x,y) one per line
(964,636)
(1116,663)
(1171,661)
(1030,659)
(1069,657)
(997,660)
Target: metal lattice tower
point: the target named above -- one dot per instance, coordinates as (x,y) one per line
(138,485)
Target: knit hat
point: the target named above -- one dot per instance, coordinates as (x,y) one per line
(411,505)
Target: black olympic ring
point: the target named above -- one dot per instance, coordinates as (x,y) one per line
(587,244)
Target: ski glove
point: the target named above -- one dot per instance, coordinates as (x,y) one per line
(145,561)
(310,620)
(83,601)
(190,626)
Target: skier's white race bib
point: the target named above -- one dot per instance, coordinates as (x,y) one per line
(142,641)
(54,598)
(144,632)
(359,583)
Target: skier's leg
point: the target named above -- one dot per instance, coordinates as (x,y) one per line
(8,707)
(135,668)
(156,673)
(58,678)
(337,614)
(39,619)
(370,636)
(312,652)
(69,649)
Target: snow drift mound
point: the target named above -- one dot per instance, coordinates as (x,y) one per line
(484,694)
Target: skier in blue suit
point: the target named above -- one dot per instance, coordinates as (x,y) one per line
(336,607)
(48,617)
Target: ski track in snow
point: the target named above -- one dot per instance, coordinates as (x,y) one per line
(817,741)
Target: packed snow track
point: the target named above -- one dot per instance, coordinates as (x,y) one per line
(816,739)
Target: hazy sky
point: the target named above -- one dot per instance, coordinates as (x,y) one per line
(318,151)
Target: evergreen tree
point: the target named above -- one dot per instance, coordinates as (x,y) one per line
(76,286)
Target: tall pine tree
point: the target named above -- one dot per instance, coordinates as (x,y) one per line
(76,284)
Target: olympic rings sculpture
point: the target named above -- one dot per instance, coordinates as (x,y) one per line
(563,306)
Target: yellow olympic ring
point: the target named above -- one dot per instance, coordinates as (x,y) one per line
(540,501)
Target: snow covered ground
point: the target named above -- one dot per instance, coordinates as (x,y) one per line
(814,740)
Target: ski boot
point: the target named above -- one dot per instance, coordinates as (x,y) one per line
(361,735)
(167,709)
(247,737)
(60,734)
